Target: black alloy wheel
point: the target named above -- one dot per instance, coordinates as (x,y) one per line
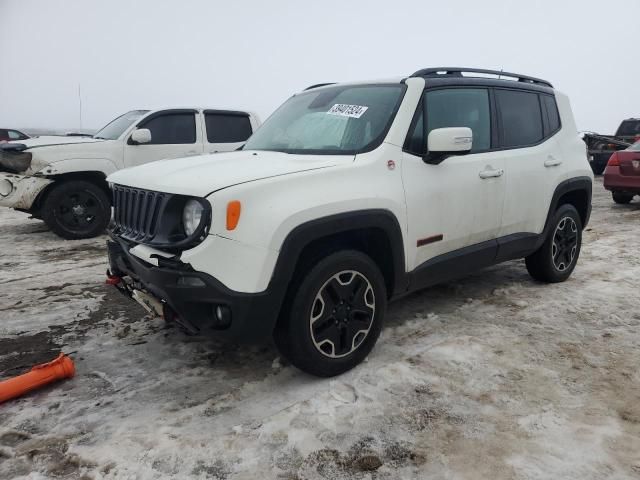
(556,258)
(333,314)
(565,243)
(76,209)
(342,314)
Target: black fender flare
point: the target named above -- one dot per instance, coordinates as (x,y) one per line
(584,184)
(302,235)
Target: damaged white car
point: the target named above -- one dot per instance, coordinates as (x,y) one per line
(61,180)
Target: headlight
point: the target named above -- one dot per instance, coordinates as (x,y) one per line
(192,216)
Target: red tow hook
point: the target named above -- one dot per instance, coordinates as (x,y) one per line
(112,279)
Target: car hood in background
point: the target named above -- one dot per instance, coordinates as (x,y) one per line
(51,140)
(199,176)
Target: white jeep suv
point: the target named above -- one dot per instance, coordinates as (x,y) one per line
(62,180)
(349,196)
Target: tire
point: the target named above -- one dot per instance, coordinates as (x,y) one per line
(326,342)
(621,197)
(76,209)
(598,168)
(557,257)
(600,160)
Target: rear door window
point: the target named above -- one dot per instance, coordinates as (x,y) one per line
(520,118)
(227,127)
(172,128)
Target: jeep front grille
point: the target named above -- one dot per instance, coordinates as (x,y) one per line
(136,212)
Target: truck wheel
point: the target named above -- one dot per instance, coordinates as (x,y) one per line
(557,257)
(597,168)
(600,160)
(621,197)
(336,315)
(76,209)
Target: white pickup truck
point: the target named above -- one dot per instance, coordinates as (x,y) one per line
(62,179)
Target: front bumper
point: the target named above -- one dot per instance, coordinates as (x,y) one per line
(615,181)
(20,191)
(194,296)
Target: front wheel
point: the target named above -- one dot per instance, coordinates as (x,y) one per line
(76,209)
(557,257)
(621,197)
(335,316)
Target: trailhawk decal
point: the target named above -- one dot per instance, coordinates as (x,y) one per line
(343,110)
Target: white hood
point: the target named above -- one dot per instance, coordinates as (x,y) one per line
(51,140)
(202,175)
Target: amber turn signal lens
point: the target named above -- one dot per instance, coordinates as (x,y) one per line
(233,214)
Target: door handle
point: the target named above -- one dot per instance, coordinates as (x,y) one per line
(192,152)
(491,173)
(552,162)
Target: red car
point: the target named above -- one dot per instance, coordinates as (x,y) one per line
(622,175)
(10,135)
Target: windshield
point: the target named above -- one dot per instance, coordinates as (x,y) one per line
(338,120)
(117,127)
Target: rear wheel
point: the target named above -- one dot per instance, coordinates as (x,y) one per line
(598,168)
(557,257)
(336,315)
(621,197)
(600,160)
(76,209)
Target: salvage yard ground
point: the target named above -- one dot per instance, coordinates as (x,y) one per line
(493,376)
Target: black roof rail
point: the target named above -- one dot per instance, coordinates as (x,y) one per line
(458,71)
(318,85)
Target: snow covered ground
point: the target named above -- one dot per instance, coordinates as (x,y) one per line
(493,376)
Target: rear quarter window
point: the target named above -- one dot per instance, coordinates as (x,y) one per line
(551,110)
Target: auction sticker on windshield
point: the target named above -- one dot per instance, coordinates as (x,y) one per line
(353,111)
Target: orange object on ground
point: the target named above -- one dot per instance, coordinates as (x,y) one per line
(40,375)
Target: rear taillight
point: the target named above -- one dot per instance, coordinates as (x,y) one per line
(614,161)
(636,138)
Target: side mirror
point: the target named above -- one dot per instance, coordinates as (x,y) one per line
(141,135)
(443,142)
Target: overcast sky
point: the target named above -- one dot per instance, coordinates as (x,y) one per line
(253,55)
